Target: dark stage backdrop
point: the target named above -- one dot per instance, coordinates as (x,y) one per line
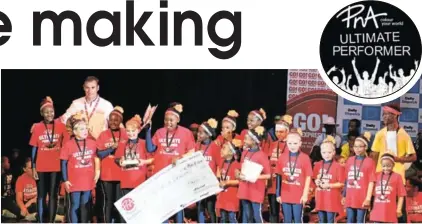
(203,93)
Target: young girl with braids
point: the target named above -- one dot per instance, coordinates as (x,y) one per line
(329,179)
(389,193)
(211,151)
(252,194)
(48,136)
(227,200)
(255,119)
(294,172)
(228,128)
(360,178)
(170,142)
(276,149)
(80,169)
(107,143)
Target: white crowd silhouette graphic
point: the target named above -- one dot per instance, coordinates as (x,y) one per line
(366,86)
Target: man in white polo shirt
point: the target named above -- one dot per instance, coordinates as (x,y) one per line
(95,108)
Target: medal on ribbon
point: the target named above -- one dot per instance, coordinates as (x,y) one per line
(292,169)
(51,143)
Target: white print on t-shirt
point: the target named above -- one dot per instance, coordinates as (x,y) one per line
(174,143)
(223,175)
(296,174)
(386,191)
(172,147)
(208,158)
(8,186)
(351,177)
(325,178)
(110,142)
(415,208)
(87,157)
(44,138)
(30,190)
(274,154)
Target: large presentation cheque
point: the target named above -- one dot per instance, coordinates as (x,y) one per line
(169,191)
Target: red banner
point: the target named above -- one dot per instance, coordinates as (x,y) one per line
(309,111)
(304,80)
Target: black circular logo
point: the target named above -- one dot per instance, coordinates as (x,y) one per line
(370,51)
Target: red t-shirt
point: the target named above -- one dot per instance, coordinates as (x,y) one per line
(134,176)
(254,192)
(356,192)
(292,185)
(80,172)
(414,208)
(27,185)
(48,157)
(110,171)
(211,153)
(328,200)
(227,199)
(276,150)
(179,142)
(385,210)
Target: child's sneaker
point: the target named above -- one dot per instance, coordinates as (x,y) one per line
(31,217)
(7,214)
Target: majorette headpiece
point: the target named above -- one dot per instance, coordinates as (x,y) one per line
(47,101)
(260,114)
(257,134)
(118,111)
(176,109)
(231,118)
(210,126)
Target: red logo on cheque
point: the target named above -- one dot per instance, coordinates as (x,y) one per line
(128,204)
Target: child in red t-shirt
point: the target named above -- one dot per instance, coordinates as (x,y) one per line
(48,136)
(132,157)
(255,119)
(211,151)
(107,143)
(360,178)
(329,179)
(228,128)
(413,202)
(250,193)
(276,149)
(80,168)
(389,193)
(26,191)
(170,143)
(227,200)
(294,172)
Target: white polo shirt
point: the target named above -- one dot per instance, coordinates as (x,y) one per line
(97,113)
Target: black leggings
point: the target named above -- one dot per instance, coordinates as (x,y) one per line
(274,209)
(111,191)
(99,202)
(48,182)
